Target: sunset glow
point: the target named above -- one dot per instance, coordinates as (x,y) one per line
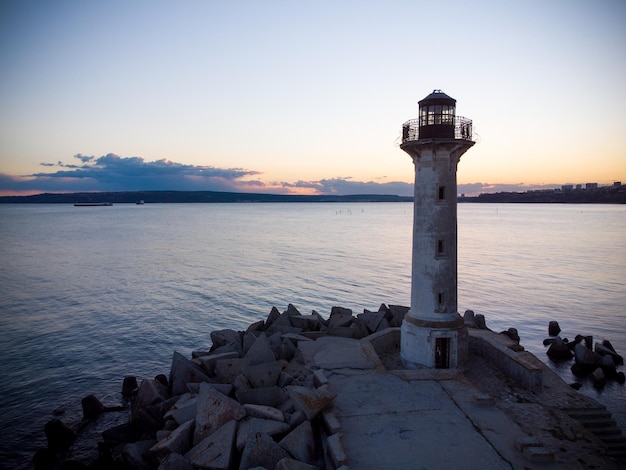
(305,98)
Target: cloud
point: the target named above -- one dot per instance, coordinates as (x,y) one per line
(112,172)
(345,185)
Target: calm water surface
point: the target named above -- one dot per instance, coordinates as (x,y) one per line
(90,294)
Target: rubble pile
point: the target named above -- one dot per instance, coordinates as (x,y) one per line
(598,362)
(249,401)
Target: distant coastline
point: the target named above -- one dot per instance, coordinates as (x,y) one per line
(169,197)
(615,194)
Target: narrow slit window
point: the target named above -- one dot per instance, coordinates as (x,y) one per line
(440,298)
(441,193)
(440,248)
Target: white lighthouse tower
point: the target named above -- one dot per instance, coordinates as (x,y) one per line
(433,332)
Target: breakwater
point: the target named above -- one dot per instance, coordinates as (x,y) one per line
(256,399)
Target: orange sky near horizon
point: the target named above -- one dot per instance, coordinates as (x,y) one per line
(254,96)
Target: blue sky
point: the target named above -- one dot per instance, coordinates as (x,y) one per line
(284,96)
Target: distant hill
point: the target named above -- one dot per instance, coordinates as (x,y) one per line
(615,194)
(150,197)
(602,195)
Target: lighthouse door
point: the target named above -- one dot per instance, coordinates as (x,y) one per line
(442,353)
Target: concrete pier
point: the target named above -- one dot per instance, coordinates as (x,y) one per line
(396,418)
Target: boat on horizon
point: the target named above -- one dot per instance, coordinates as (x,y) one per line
(92,204)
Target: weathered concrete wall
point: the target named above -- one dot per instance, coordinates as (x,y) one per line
(520,365)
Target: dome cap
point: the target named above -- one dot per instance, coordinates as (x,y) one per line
(437,97)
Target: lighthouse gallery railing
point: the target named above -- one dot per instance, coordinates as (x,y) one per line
(462,129)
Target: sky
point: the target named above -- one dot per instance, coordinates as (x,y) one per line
(305,97)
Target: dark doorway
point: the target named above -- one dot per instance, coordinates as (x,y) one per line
(442,353)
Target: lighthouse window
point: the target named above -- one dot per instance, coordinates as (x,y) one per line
(447,115)
(437,114)
(441,193)
(423,116)
(440,299)
(440,248)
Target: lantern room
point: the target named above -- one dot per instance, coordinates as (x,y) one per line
(436,116)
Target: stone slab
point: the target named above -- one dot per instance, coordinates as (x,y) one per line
(177,442)
(335,353)
(251,424)
(379,412)
(311,401)
(216,450)
(213,411)
(184,371)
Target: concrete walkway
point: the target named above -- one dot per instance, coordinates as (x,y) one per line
(425,419)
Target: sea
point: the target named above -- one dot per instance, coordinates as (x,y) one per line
(89,295)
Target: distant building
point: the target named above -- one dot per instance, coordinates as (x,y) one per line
(567,187)
(579,187)
(617,184)
(591,185)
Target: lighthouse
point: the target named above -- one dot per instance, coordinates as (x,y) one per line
(433,333)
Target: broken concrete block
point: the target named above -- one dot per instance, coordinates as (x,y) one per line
(360,331)
(224,389)
(149,393)
(300,443)
(341,331)
(216,450)
(272,317)
(297,371)
(284,379)
(184,371)
(371,319)
(336,450)
(383,325)
(269,396)
(296,419)
(184,409)
(260,351)
(226,337)
(398,313)
(263,375)
(310,401)
(306,322)
(213,411)
(256,326)
(283,330)
(208,362)
(287,350)
(241,383)
(267,426)
(282,321)
(340,316)
(248,340)
(226,370)
(292,310)
(319,378)
(177,442)
(264,412)
(261,451)
(331,423)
